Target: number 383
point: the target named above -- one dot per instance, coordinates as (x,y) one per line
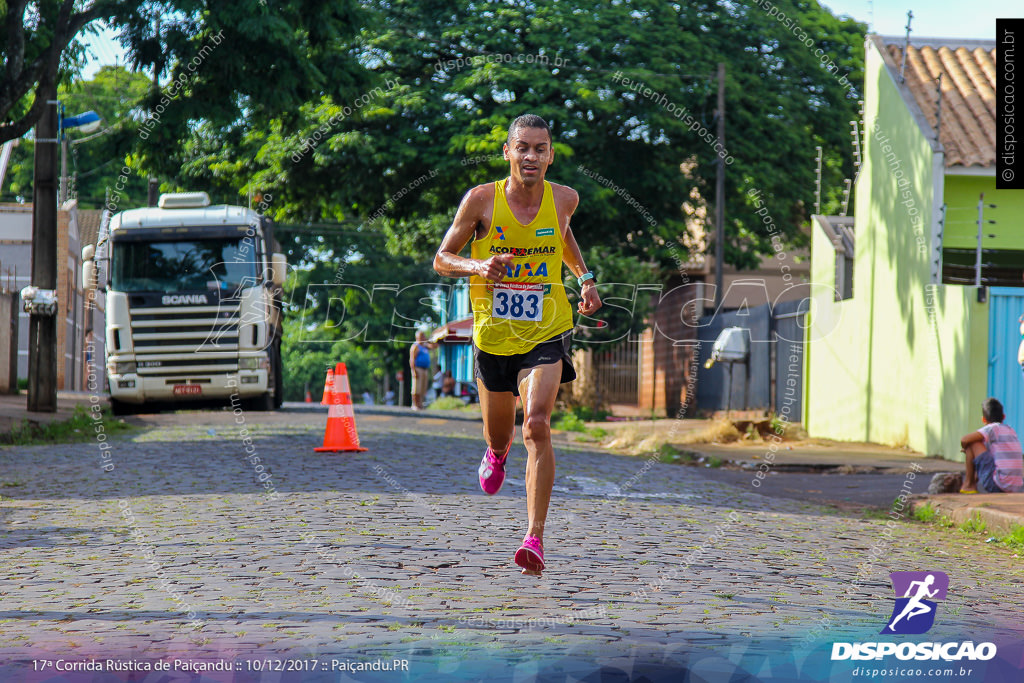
(518,306)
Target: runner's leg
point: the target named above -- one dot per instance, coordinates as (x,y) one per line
(538,387)
(499,413)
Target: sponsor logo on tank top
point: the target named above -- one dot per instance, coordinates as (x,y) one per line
(523,251)
(527,269)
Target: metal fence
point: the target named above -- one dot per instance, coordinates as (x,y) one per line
(772,379)
(617,371)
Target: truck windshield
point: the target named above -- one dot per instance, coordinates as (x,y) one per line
(175,266)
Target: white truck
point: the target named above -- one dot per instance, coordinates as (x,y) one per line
(193,305)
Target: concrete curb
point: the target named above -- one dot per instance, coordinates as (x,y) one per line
(960,508)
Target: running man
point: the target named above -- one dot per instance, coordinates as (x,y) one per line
(522,320)
(914,606)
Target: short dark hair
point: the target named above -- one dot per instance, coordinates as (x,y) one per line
(527,121)
(992,410)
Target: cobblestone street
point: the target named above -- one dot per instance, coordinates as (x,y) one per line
(188,549)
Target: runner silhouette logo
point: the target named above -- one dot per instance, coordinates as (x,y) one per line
(914,611)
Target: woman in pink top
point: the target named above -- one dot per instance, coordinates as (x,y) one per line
(993,454)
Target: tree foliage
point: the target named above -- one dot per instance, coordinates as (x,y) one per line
(94,160)
(353,301)
(447,78)
(444,79)
(266,59)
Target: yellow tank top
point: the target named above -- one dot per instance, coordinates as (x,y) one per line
(529,306)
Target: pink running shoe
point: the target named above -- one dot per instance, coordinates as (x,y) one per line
(531,555)
(492,471)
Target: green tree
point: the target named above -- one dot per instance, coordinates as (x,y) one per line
(392,159)
(94,163)
(447,78)
(351,300)
(263,59)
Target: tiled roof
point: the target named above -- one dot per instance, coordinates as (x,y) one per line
(89,225)
(968,112)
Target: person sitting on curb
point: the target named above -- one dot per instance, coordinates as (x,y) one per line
(993,456)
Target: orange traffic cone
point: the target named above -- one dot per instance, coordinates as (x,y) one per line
(340,436)
(309,396)
(328,388)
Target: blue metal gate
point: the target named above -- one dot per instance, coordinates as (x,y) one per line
(1005,381)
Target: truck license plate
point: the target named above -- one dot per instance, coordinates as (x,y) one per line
(188,389)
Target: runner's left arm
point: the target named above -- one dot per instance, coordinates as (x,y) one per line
(573,258)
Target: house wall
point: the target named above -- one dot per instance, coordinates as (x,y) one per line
(667,352)
(16,272)
(903,361)
(961,226)
(16,265)
(835,395)
(777,288)
(458,357)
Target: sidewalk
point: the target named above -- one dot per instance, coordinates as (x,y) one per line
(839,457)
(1001,512)
(791,456)
(14,409)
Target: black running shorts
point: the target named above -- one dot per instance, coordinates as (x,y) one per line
(501,373)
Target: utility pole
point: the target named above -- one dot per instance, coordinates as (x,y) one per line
(42,328)
(63,194)
(153,188)
(720,190)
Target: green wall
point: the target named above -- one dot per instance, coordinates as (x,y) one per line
(901,362)
(961,229)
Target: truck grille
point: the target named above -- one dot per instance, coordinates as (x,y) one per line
(207,334)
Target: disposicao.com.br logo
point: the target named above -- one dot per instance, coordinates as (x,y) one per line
(914,613)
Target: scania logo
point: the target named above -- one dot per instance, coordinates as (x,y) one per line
(177,299)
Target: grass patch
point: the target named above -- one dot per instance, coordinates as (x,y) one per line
(453,403)
(79,427)
(569,422)
(1015,539)
(670,455)
(715,462)
(587,414)
(925,513)
(974,525)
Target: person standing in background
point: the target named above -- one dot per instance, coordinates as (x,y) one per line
(419,363)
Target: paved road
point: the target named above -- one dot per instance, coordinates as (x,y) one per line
(182,552)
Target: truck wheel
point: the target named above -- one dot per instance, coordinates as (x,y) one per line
(275,392)
(260,404)
(278,374)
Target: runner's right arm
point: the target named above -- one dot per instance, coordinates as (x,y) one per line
(471,213)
